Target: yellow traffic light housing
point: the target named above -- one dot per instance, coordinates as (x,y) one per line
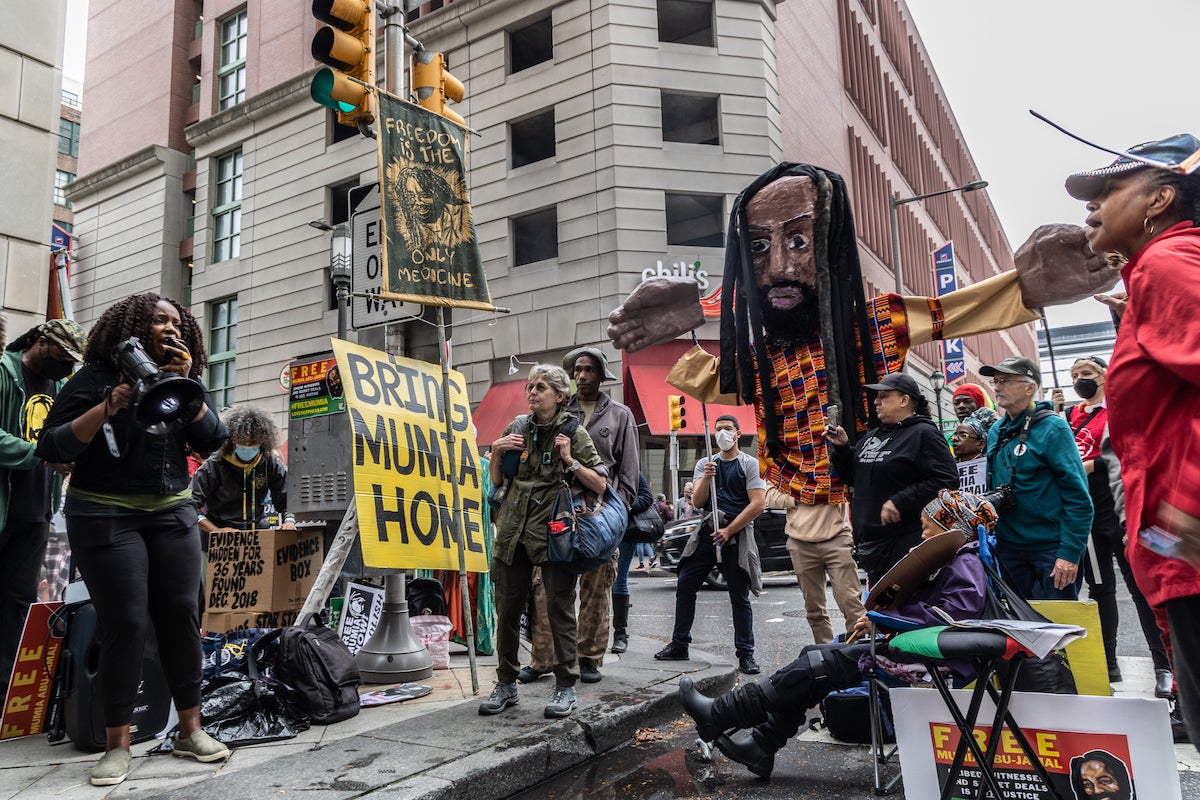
(435,86)
(347,45)
(676,411)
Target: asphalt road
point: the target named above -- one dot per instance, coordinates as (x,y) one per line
(667,763)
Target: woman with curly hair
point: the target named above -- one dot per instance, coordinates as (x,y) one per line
(131,522)
(232,486)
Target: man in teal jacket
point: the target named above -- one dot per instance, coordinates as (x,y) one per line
(1044,526)
(32,370)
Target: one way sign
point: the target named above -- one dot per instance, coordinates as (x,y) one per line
(366,231)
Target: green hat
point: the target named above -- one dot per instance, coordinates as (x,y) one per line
(1014,365)
(67,334)
(570,358)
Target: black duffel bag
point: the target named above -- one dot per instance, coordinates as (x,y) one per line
(645,527)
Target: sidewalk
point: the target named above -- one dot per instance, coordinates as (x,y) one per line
(436,746)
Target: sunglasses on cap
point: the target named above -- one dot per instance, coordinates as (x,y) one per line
(1091,359)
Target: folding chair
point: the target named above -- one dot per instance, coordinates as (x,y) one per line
(881,752)
(940,644)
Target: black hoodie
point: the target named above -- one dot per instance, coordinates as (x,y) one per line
(906,463)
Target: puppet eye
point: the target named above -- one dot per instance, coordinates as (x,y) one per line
(798,243)
(760,245)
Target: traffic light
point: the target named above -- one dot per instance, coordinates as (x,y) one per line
(347,44)
(676,411)
(435,85)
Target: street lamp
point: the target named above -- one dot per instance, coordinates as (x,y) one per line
(339,268)
(894,203)
(937,380)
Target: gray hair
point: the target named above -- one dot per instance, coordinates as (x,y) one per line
(249,422)
(555,376)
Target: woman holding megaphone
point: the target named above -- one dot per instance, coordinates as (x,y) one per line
(125,419)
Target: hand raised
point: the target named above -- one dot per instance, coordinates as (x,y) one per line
(658,310)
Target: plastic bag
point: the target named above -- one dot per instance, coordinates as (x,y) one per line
(234,711)
(434,632)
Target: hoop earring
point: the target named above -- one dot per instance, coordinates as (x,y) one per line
(1148,226)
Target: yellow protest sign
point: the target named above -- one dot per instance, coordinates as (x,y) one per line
(402,471)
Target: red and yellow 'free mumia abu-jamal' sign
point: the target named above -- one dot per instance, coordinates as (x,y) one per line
(405,465)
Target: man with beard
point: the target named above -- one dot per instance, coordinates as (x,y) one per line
(1099,775)
(32,370)
(793,285)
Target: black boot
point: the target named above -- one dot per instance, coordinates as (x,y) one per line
(620,621)
(741,708)
(751,751)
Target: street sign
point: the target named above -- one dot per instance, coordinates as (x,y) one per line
(954,364)
(366,232)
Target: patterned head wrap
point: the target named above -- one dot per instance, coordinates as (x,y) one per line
(962,510)
(986,417)
(975,392)
(976,425)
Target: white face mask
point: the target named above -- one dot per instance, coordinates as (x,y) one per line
(726,440)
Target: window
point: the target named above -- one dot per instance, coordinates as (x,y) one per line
(694,220)
(68,138)
(227,207)
(222,350)
(532,139)
(691,118)
(686,22)
(61,179)
(535,236)
(530,45)
(231,73)
(338,209)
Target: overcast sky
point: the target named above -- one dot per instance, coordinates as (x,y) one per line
(1117,72)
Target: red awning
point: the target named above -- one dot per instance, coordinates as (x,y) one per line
(648,401)
(500,405)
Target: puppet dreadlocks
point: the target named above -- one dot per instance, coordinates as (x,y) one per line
(841,303)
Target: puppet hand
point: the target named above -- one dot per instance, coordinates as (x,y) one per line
(658,310)
(1056,266)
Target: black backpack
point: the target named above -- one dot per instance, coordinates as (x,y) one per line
(313,662)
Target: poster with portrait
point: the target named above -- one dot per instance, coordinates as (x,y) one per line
(430,252)
(360,615)
(406,466)
(1112,747)
(315,389)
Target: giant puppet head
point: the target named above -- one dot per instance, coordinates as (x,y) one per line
(792,277)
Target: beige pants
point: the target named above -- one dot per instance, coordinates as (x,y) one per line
(593,619)
(813,560)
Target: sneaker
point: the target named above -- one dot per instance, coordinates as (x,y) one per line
(1164,683)
(528,675)
(673,652)
(588,671)
(112,767)
(641,565)
(748,666)
(199,746)
(562,702)
(503,696)
(653,565)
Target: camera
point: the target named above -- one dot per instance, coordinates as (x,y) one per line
(1002,497)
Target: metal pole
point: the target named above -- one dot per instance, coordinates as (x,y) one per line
(893,217)
(1050,351)
(460,527)
(712,490)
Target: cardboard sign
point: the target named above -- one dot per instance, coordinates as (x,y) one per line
(403,475)
(360,615)
(28,695)
(1089,665)
(230,621)
(1133,734)
(256,571)
(972,475)
(316,389)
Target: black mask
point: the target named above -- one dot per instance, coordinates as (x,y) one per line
(56,370)
(1086,388)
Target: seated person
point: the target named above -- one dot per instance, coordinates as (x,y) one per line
(774,709)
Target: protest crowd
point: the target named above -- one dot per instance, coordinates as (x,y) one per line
(1061,497)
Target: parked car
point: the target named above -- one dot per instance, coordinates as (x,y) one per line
(768,532)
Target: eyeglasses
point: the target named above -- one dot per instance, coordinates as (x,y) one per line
(1006,381)
(965,435)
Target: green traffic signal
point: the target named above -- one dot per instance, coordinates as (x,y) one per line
(323,86)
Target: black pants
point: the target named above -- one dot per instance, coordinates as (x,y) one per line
(800,686)
(142,570)
(690,576)
(1104,591)
(1182,614)
(22,550)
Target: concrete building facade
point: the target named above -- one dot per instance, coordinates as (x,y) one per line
(31,42)
(612,140)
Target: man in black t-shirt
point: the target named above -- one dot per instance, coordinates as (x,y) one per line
(32,370)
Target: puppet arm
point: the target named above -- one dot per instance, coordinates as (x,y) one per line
(990,305)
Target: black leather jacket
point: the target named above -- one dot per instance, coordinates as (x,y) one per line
(149,463)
